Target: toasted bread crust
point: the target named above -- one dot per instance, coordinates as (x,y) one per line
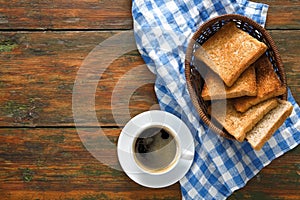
(232,51)
(263,131)
(214,87)
(268,85)
(238,124)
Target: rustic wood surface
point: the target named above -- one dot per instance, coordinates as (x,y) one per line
(108,14)
(42,46)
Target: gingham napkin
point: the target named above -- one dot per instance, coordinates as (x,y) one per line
(162,30)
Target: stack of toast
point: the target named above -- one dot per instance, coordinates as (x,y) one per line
(242,74)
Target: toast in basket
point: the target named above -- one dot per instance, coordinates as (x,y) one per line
(245,85)
(268,85)
(262,132)
(232,51)
(253,111)
(238,124)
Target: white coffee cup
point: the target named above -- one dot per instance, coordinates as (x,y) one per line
(164,148)
(176,165)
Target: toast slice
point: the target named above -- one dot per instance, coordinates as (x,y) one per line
(236,123)
(268,85)
(262,132)
(231,51)
(244,86)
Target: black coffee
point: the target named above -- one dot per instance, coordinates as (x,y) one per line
(155,149)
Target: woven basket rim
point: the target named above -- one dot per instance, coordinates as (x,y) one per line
(200,30)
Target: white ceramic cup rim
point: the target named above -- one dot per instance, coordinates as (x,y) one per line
(177,157)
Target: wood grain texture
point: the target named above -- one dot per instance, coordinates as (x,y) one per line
(108,14)
(39,69)
(68,14)
(43,44)
(38,75)
(53,164)
(47,163)
(289,17)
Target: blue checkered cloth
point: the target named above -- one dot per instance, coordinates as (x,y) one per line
(162,30)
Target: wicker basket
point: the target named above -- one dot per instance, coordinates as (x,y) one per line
(194,79)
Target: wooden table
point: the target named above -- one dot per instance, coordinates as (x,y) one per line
(42,46)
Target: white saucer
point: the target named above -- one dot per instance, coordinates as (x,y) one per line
(127,137)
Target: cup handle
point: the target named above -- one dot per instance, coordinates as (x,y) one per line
(187,155)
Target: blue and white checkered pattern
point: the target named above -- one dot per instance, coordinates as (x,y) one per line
(162,30)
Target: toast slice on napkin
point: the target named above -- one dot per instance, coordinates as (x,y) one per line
(268,85)
(236,123)
(265,128)
(231,51)
(214,87)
